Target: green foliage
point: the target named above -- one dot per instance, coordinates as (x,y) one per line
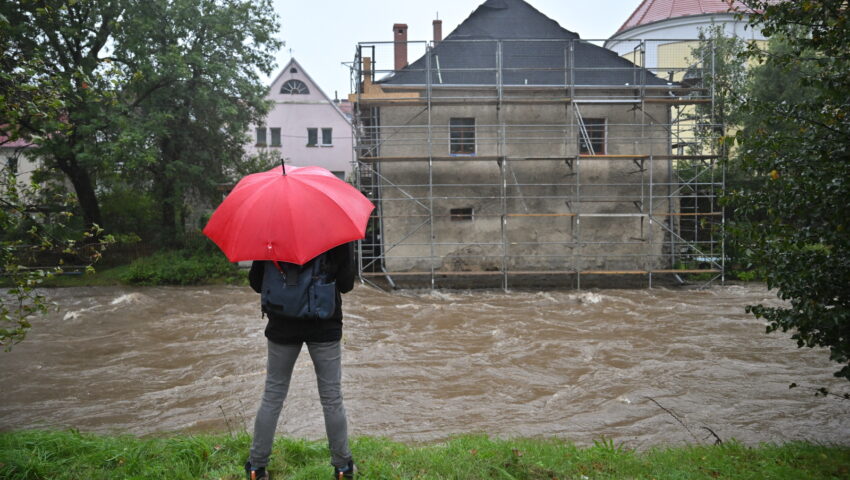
(154,97)
(127,211)
(72,455)
(192,80)
(795,144)
(724,74)
(63,87)
(35,244)
(181,267)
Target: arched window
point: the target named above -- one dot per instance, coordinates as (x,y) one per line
(294,87)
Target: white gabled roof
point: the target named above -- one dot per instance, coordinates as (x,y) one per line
(311,84)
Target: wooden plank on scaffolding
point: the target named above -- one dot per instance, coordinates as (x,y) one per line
(541,272)
(459,158)
(396,98)
(542,214)
(437,273)
(496,215)
(613,157)
(490,158)
(614,272)
(694,270)
(689,214)
(368,100)
(685,157)
(677,101)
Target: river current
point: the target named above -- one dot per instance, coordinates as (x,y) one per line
(640,367)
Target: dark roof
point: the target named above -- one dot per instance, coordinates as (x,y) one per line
(535,51)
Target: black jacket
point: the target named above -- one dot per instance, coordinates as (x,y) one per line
(289,330)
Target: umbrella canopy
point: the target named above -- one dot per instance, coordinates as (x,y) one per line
(289,215)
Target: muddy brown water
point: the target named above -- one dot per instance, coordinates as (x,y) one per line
(424,365)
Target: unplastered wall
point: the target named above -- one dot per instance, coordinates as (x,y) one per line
(536,188)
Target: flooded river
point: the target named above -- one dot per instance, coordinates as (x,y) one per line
(423,365)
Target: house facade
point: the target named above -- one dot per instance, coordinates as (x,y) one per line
(671,27)
(14,158)
(513,148)
(304,127)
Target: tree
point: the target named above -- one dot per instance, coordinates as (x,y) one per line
(192,93)
(155,94)
(32,225)
(724,73)
(60,45)
(796,145)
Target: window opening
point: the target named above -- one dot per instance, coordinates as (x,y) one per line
(275,134)
(462,136)
(327,136)
(294,87)
(312,137)
(461,214)
(261,136)
(592,137)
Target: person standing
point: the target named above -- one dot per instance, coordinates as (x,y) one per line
(323,336)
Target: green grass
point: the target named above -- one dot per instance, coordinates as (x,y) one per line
(147,272)
(102,277)
(72,455)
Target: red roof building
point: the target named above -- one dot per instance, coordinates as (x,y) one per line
(650,11)
(663,28)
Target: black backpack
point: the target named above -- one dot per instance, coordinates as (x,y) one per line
(300,291)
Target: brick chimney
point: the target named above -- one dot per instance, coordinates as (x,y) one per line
(438,31)
(400,39)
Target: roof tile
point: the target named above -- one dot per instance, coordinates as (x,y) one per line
(650,11)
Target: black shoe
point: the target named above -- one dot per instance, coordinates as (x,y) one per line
(256,474)
(348,472)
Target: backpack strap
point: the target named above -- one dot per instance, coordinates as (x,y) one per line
(289,271)
(325,266)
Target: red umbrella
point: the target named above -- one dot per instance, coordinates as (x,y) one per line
(289,215)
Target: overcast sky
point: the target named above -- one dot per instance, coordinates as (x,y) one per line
(322,34)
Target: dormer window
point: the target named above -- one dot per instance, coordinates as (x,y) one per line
(294,87)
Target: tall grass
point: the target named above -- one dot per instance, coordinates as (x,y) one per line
(73,455)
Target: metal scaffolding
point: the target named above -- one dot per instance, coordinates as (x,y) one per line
(536,203)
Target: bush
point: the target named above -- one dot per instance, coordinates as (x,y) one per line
(129,211)
(181,267)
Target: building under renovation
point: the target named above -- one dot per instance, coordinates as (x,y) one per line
(512,152)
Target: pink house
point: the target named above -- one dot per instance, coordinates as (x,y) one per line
(304,127)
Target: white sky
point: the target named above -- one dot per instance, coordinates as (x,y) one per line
(322,34)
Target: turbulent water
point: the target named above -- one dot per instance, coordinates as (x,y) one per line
(641,367)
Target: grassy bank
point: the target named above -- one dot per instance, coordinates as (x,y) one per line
(170,267)
(71,455)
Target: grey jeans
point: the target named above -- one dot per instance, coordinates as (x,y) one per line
(327,358)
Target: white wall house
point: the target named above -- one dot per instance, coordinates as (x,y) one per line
(13,155)
(670,28)
(305,127)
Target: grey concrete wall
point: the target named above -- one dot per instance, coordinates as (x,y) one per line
(536,192)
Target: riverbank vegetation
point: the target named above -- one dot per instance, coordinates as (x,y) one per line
(795,146)
(73,455)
